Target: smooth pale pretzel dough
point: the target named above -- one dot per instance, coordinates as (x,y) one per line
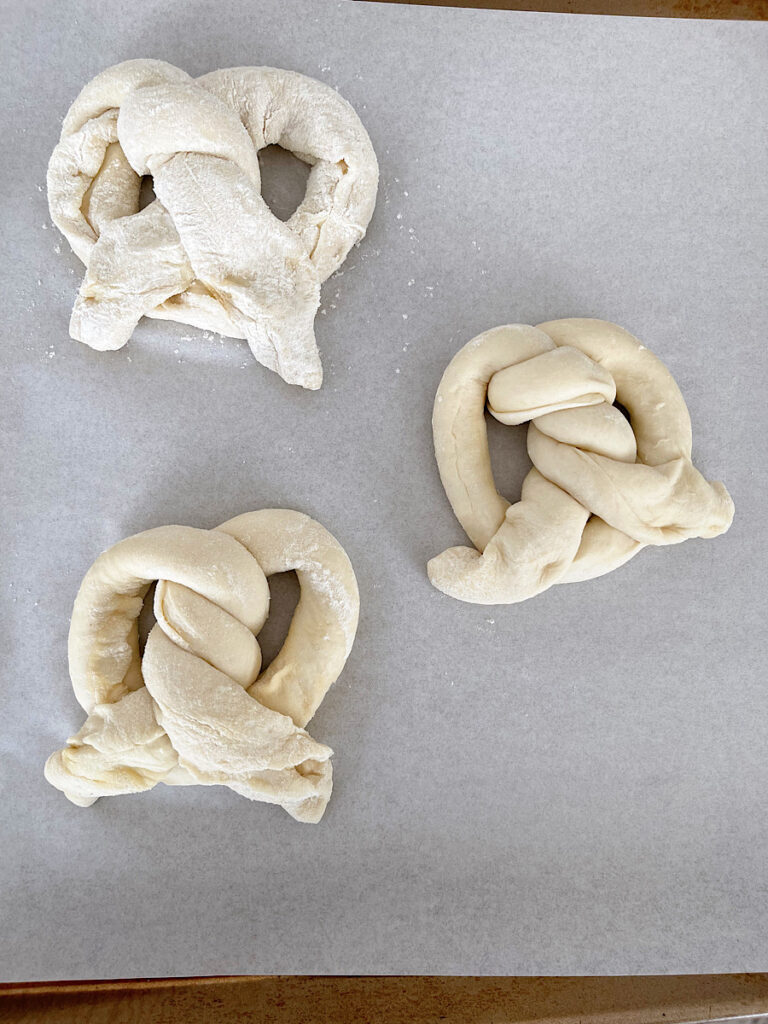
(208,251)
(194,708)
(600,490)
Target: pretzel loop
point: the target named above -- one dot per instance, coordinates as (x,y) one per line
(208,251)
(601,487)
(194,708)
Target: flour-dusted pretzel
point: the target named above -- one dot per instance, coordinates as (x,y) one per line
(601,487)
(208,251)
(194,708)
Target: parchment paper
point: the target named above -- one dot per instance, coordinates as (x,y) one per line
(577,784)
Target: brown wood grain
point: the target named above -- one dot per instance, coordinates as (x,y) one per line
(738,10)
(397,1000)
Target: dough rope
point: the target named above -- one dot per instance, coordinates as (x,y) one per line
(194,708)
(600,490)
(208,251)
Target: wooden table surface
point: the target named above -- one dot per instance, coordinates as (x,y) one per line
(417,1000)
(396,1000)
(751,10)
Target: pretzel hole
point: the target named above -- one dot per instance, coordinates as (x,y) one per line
(146,191)
(623,410)
(284,594)
(146,617)
(509,457)
(283,180)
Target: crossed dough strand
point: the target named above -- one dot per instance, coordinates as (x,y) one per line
(600,490)
(208,251)
(194,709)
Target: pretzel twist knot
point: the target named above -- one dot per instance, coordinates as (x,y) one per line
(601,488)
(208,251)
(194,708)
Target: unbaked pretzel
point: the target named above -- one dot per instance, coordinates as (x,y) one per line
(208,251)
(601,488)
(194,708)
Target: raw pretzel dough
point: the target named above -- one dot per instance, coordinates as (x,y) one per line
(600,490)
(209,251)
(194,709)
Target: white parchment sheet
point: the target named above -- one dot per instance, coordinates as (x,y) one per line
(577,784)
